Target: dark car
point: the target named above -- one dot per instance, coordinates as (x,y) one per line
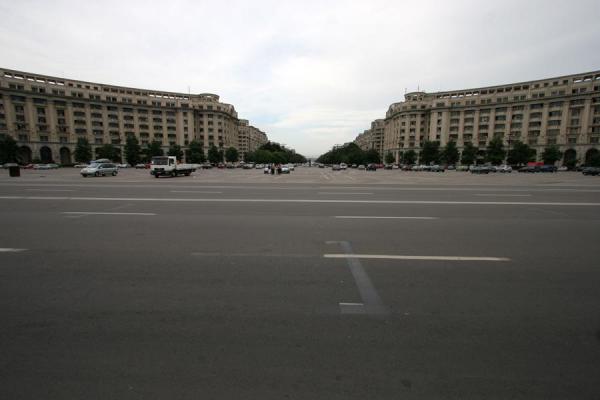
(371,167)
(529,168)
(548,168)
(591,171)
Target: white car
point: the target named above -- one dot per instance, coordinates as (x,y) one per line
(290,166)
(504,169)
(99,169)
(343,166)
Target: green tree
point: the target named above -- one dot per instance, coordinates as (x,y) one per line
(8,150)
(195,153)
(469,154)
(132,150)
(551,154)
(83,151)
(389,158)
(450,153)
(175,151)
(520,153)
(372,156)
(108,151)
(495,151)
(232,155)
(430,152)
(262,156)
(214,155)
(153,149)
(410,157)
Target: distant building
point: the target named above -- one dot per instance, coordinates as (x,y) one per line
(46,115)
(250,138)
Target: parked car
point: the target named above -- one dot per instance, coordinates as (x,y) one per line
(529,168)
(123,165)
(480,169)
(336,167)
(343,166)
(504,169)
(361,167)
(99,169)
(291,167)
(371,167)
(80,165)
(562,169)
(591,171)
(45,166)
(436,168)
(284,169)
(547,168)
(142,166)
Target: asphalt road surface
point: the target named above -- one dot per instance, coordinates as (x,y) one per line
(231,284)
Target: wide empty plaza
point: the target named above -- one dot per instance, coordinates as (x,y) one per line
(317,284)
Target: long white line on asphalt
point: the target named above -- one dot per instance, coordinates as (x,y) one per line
(103,213)
(371,186)
(10,250)
(332,201)
(344,193)
(50,190)
(421,258)
(377,217)
(502,194)
(194,191)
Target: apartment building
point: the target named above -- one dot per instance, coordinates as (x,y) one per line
(562,111)
(250,138)
(46,115)
(372,138)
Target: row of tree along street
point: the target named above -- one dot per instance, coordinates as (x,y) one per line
(134,153)
(495,153)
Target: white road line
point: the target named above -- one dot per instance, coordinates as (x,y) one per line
(10,250)
(102,213)
(423,258)
(502,194)
(344,193)
(332,201)
(50,190)
(351,304)
(375,217)
(371,301)
(194,191)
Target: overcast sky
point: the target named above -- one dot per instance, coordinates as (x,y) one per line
(310,74)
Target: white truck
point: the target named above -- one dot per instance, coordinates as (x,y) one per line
(168,166)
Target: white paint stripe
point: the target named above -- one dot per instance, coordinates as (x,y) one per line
(351,304)
(424,258)
(193,191)
(10,250)
(50,190)
(502,194)
(337,201)
(374,217)
(102,213)
(344,193)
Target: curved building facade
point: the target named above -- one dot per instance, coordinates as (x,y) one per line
(562,111)
(46,115)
